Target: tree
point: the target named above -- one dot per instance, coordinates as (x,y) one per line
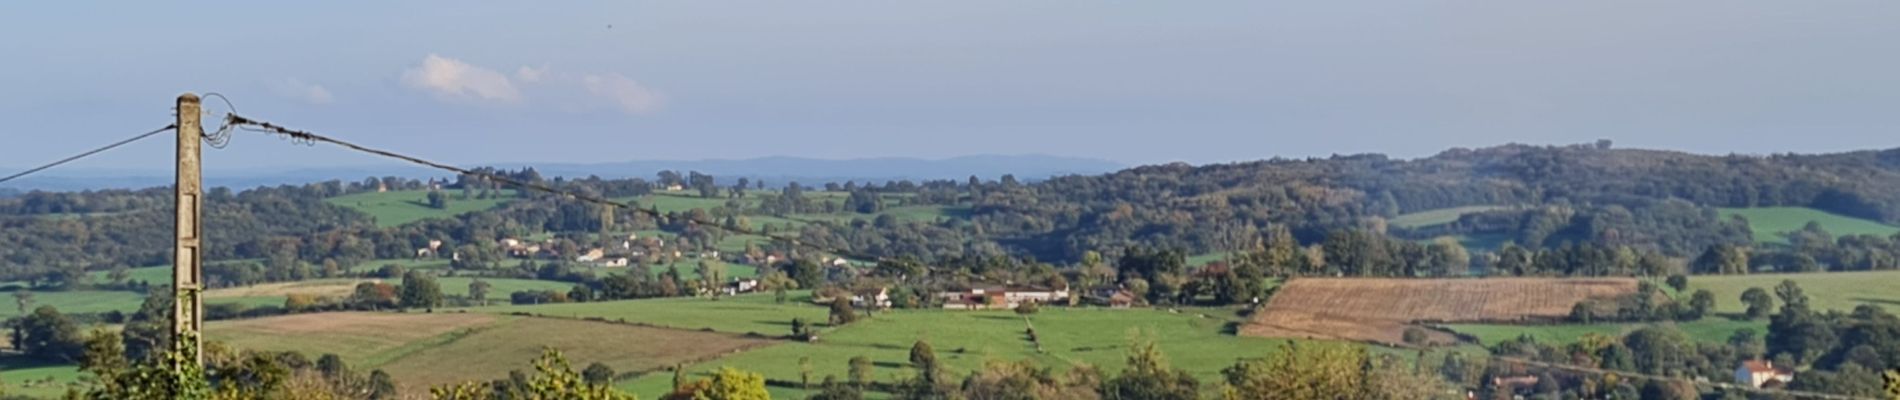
(332,367)
(1760,304)
(1679,282)
(1893,383)
(419,290)
(478,290)
(733,384)
(832,390)
(1416,336)
(598,374)
(1791,295)
(1702,303)
(1026,308)
(713,274)
(104,355)
(804,372)
(1148,376)
(841,311)
(23,299)
(437,200)
(1303,371)
(48,335)
(554,379)
(860,371)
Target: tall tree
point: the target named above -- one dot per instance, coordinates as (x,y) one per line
(1149,377)
(419,290)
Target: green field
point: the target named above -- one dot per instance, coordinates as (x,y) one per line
(738,314)
(1826,290)
(1771,223)
(1436,216)
(405,206)
(405,263)
(1711,329)
(422,349)
(77,301)
(26,377)
(965,339)
(498,288)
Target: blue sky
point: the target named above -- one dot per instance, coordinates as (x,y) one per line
(1130,81)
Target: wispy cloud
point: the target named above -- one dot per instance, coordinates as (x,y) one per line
(302,91)
(531,74)
(453,79)
(627,94)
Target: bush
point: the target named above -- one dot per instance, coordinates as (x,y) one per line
(1416,336)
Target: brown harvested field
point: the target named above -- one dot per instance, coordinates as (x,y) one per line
(514,346)
(358,337)
(321,288)
(423,349)
(1379,310)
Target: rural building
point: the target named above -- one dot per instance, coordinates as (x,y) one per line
(612,262)
(1760,373)
(881,297)
(1000,297)
(590,255)
(738,286)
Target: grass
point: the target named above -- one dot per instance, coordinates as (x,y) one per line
(1711,329)
(405,263)
(498,288)
(964,340)
(405,206)
(737,314)
(1829,290)
(1203,259)
(422,350)
(79,301)
(1771,223)
(37,379)
(1437,216)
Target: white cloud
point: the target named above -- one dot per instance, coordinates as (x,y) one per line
(307,92)
(531,75)
(627,94)
(453,79)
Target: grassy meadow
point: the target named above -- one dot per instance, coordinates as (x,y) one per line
(1771,223)
(1436,216)
(404,206)
(1826,291)
(736,314)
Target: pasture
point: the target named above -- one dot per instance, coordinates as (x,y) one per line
(1439,216)
(1770,224)
(421,350)
(1826,290)
(404,206)
(37,379)
(1194,339)
(736,314)
(1379,310)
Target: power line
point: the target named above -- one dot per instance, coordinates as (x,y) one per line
(86,154)
(308,137)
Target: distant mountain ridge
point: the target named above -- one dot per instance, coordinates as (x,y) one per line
(773,170)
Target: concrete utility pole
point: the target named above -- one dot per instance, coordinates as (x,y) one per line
(187,271)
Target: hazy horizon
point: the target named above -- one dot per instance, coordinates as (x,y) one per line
(1130,83)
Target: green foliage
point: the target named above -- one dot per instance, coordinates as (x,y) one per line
(1148,376)
(734,384)
(419,290)
(48,335)
(554,379)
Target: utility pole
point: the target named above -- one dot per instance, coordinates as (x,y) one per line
(187,271)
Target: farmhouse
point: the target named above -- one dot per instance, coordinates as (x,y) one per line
(1000,297)
(1762,373)
(881,297)
(590,255)
(738,286)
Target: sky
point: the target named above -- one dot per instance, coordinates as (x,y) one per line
(1130,81)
